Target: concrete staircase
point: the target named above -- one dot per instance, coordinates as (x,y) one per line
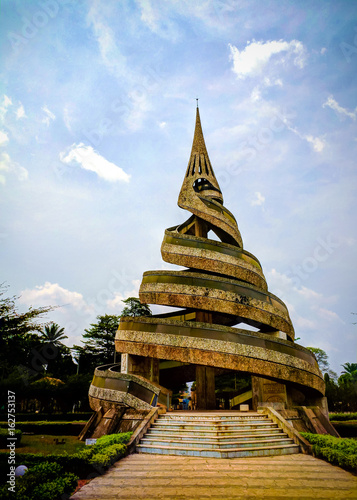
(216,434)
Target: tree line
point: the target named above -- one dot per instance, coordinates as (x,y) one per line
(341,391)
(45,374)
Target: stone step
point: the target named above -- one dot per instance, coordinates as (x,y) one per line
(211,414)
(257,451)
(172,418)
(210,423)
(213,428)
(219,418)
(184,443)
(218,439)
(243,436)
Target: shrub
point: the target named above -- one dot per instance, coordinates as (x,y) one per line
(4,434)
(4,467)
(107,456)
(339,417)
(52,490)
(337,451)
(78,463)
(5,494)
(104,441)
(45,481)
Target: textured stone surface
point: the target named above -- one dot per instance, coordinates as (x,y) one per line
(214,293)
(296,365)
(152,477)
(224,360)
(122,389)
(214,256)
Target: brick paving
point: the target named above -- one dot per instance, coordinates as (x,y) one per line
(152,477)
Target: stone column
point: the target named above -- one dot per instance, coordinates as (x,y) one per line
(268,393)
(205,388)
(140,365)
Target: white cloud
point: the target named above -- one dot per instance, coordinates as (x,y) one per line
(6,102)
(307,293)
(87,158)
(268,82)
(20,112)
(7,165)
(328,315)
(20,172)
(116,304)
(318,143)
(3,138)
(53,294)
(333,104)
(49,116)
(323,50)
(256,55)
(71,311)
(156,15)
(256,94)
(162,124)
(149,15)
(259,199)
(111,55)
(4,166)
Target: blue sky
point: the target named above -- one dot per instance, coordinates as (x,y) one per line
(97,110)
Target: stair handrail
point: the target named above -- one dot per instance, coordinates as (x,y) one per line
(305,446)
(145,424)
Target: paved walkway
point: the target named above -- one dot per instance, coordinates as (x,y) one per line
(167,477)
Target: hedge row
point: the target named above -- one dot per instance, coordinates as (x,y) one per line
(4,435)
(337,451)
(51,417)
(340,417)
(82,463)
(51,428)
(345,428)
(57,476)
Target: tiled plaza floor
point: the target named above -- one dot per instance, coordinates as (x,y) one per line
(168,477)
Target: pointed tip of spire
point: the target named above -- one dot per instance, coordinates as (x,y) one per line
(198,145)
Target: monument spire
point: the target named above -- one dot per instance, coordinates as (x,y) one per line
(199,162)
(200,192)
(198,145)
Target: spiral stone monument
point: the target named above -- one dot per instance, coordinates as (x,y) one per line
(222,286)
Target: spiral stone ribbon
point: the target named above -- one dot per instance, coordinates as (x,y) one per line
(223,285)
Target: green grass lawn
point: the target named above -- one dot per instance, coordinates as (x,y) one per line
(45,444)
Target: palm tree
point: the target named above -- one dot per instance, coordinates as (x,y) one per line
(53,334)
(349,374)
(349,368)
